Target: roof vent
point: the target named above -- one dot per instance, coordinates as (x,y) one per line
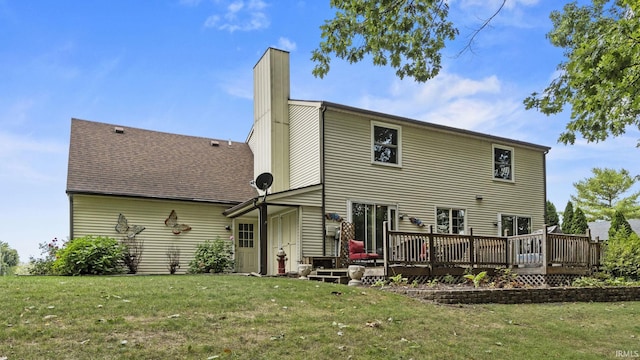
(214,143)
(118,130)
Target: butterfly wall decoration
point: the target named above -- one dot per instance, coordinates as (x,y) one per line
(123,227)
(172,222)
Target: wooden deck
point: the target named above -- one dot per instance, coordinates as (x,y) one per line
(429,253)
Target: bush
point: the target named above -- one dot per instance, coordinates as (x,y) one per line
(212,257)
(44,266)
(89,256)
(622,255)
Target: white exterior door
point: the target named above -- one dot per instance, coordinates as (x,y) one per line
(284,234)
(247,247)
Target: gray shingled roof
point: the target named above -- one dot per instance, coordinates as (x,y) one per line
(154,164)
(600,229)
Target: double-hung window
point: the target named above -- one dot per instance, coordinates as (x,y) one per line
(503,163)
(450,220)
(386,144)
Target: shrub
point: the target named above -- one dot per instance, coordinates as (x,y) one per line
(622,255)
(89,256)
(44,266)
(173,257)
(212,257)
(132,253)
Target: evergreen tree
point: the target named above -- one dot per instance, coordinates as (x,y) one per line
(567,218)
(551,216)
(580,224)
(619,222)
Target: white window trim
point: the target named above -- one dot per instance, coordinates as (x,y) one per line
(466,217)
(513,162)
(499,222)
(399,147)
(393,206)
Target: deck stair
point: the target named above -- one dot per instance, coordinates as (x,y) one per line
(338,276)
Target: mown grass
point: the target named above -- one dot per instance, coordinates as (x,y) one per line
(238,317)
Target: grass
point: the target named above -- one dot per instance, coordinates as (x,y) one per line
(238,317)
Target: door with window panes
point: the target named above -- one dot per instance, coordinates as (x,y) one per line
(514,225)
(368,220)
(247,247)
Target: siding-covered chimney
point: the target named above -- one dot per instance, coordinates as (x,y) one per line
(271,117)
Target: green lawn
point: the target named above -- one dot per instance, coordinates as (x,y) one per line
(239,317)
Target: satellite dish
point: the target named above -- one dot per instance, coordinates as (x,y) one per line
(264,181)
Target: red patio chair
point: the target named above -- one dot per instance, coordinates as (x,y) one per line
(357,252)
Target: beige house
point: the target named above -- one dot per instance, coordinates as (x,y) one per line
(329,163)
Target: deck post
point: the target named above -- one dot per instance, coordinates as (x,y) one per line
(472,258)
(507,263)
(545,249)
(385,251)
(432,252)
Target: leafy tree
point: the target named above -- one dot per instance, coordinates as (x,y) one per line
(567,219)
(600,75)
(601,195)
(598,78)
(619,224)
(8,258)
(551,217)
(409,35)
(579,223)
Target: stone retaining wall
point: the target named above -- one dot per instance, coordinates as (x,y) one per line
(526,296)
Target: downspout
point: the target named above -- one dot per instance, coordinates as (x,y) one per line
(322,160)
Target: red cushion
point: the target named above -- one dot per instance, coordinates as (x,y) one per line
(356,246)
(356,251)
(363,256)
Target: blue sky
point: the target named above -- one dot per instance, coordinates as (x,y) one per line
(185,66)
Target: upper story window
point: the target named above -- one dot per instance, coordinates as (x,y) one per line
(502,163)
(385,140)
(450,221)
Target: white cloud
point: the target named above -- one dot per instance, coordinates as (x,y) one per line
(448,99)
(22,159)
(286,44)
(240,16)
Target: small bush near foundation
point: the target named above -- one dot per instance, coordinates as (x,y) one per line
(622,256)
(89,256)
(44,265)
(173,258)
(212,257)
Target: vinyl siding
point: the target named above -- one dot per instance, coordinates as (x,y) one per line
(311,231)
(305,145)
(311,198)
(271,117)
(438,169)
(98,215)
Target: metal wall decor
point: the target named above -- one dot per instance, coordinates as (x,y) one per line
(333,216)
(123,227)
(172,222)
(417,222)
